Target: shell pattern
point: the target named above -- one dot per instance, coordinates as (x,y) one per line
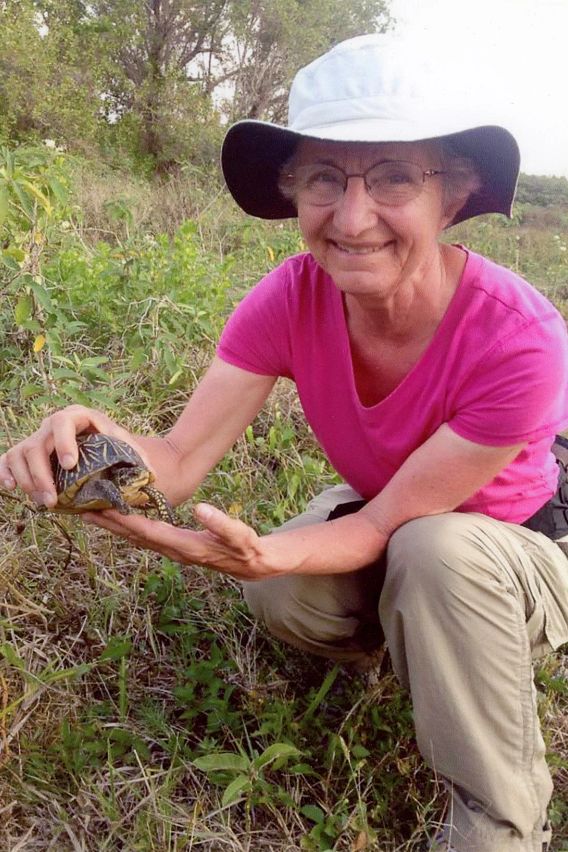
(97,453)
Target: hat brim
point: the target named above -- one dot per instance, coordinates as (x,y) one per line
(254,151)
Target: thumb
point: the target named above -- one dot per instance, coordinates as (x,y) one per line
(219,524)
(212,518)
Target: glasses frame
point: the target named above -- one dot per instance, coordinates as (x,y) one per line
(426,173)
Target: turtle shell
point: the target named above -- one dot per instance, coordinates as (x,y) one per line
(98,454)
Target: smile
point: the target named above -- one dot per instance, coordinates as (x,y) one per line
(358,249)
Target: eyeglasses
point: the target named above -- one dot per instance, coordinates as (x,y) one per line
(392,182)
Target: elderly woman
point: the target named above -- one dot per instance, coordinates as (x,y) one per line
(434,380)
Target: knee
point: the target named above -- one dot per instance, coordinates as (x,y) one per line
(261,597)
(438,554)
(282,606)
(306,612)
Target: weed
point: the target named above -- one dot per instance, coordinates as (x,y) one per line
(141,708)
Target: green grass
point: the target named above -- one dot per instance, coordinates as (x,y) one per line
(141,708)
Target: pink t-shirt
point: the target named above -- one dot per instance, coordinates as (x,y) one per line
(496,371)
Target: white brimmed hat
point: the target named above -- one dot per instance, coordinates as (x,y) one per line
(371,89)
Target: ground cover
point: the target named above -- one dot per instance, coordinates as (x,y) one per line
(140,706)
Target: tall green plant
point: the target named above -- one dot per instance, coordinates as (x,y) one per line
(33,204)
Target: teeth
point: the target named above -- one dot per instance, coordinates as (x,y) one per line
(353,250)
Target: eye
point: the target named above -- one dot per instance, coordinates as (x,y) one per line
(323,177)
(393,175)
(397,178)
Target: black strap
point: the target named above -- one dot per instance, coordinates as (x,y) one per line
(343,509)
(552,518)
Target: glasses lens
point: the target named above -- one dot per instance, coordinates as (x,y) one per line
(394,182)
(320,184)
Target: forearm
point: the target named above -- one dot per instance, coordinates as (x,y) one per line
(437,478)
(335,547)
(224,403)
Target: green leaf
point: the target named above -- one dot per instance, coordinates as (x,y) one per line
(64,373)
(275,751)
(301,769)
(37,194)
(4,205)
(94,374)
(234,792)
(359,751)
(64,674)
(24,200)
(97,361)
(11,656)
(314,813)
(42,295)
(118,647)
(321,693)
(9,262)
(29,391)
(222,761)
(58,189)
(23,309)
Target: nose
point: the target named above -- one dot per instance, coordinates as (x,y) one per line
(355,211)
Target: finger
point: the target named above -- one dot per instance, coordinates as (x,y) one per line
(180,544)
(66,424)
(34,474)
(215,520)
(232,531)
(27,465)
(131,526)
(6,478)
(75,419)
(144,532)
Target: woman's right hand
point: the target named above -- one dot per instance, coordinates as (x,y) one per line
(27,464)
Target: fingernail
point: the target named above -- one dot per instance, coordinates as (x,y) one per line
(68,461)
(8,483)
(37,497)
(204,512)
(49,499)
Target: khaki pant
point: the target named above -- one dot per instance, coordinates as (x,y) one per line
(466,604)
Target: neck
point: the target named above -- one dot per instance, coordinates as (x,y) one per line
(418,303)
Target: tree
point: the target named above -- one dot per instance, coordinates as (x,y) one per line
(272,39)
(153,44)
(162,74)
(47,80)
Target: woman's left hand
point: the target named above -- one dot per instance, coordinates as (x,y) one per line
(226,544)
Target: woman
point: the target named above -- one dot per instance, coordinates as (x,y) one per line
(434,380)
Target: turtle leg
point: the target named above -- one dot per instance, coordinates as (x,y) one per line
(163,508)
(103,490)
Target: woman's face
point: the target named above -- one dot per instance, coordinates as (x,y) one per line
(369,248)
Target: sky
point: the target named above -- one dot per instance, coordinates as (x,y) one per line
(512,55)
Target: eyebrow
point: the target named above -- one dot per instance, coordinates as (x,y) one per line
(326,162)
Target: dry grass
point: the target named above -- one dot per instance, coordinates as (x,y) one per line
(97,752)
(57,620)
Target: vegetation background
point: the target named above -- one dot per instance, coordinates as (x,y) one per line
(140,707)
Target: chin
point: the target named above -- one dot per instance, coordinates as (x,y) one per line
(364,283)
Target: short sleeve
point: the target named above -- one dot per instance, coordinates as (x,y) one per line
(256,335)
(518,391)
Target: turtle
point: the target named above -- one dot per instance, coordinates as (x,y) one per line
(109,474)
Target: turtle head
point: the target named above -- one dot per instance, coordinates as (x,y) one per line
(129,481)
